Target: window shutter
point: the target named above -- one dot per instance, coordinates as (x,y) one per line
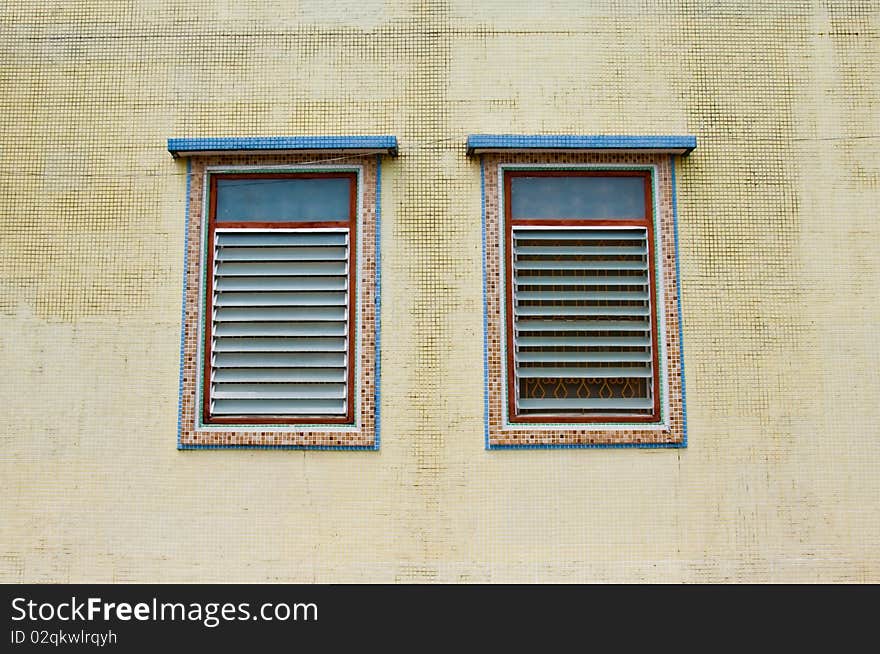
(582,321)
(280,312)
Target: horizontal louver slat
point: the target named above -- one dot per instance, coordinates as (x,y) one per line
(569,310)
(280,324)
(292,344)
(281,283)
(581,325)
(526,250)
(260,313)
(571,359)
(581,265)
(279,375)
(279,391)
(279,360)
(280,238)
(610,251)
(259,299)
(551,356)
(595,341)
(282,254)
(578,280)
(635,296)
(310,407)
(297,268)
(579,372)
(577,235)
(280,329)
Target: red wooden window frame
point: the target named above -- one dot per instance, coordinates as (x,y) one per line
(647,222)
(213,224)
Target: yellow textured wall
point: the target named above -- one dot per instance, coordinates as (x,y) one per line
(779,251)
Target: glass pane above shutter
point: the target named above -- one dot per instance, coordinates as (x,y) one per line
(313,199)
(577,197)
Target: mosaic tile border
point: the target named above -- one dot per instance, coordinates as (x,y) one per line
(364,435)
(501,435)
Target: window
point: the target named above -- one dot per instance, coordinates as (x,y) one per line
(580,338)
(582,326)
(281,329)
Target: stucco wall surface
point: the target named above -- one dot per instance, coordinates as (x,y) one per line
(779,276)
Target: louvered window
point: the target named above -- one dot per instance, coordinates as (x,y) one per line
(279,328)
(581,326)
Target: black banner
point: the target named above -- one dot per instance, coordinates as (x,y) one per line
(243,617)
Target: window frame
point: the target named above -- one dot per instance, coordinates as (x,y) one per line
(362,432)
(353,296)
(507,176)
(670,431)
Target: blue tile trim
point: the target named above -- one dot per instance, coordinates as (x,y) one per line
(377,437)
(684,411)
(377,376)
(387,144)
(485,310)
(183,304)
(686,144)
(585,446)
